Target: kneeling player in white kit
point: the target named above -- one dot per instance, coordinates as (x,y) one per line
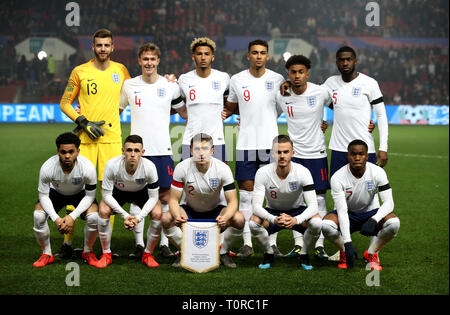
(209,192)
(130,178)
(66,179)
(353,187)
(285,185)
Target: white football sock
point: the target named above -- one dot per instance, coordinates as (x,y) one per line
(230,235)
(298,238)
(153,232)
(261,234)
(311,234)
(138,230)
(322,204)
(245,207)
(387,233)
(331,232)
(175,235)
(42,231)
(273,239)
(104,232)
(164,241)
(90,231)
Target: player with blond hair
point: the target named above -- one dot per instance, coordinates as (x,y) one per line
(152,98)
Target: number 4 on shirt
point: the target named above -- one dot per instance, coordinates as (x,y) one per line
(137,101)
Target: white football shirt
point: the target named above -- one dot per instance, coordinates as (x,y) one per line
(256,98)
(115,175)
(51,175)
(150,106)
(352,105)
(356,194)
(304,115)
(204,104)
(283,194)
(203,192)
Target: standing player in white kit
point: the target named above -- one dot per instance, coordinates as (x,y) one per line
(204,90)
(252,95)
(152,98)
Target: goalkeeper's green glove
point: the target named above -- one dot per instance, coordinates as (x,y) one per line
(92,128)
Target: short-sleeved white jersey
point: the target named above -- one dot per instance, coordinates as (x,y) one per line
(51,175)
(115,175)
(359,192)
(352,111)
(256,98)
(283,194)
(304,115)
(150,106)
(203,192)
(204,104)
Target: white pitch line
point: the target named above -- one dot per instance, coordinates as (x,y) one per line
(420,155)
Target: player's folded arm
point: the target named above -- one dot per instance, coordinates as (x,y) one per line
(153,194)
(309,194)
(47,205)
(387,202)
(113,204)
(85,202)
(258,209)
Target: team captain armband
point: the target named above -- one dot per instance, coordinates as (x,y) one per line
(378,100)
(229,187)
(90,187)
(177,184)
(384,187)
(153,185)
(308,187)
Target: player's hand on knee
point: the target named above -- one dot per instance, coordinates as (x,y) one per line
(350,254)
(180,219)
(369,228)
(221,221)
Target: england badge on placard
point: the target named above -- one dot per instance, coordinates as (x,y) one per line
(216,85)
(76,180)
(356,91)
(116,77)
(161,92)
(214,183)
(200,238)
(293,186)
(370,185)
(269,85)
(311,101)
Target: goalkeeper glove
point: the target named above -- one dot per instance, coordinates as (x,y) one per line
(350,254)
(369,228)
(92,128)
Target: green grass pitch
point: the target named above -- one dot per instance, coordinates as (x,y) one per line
(416,262)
